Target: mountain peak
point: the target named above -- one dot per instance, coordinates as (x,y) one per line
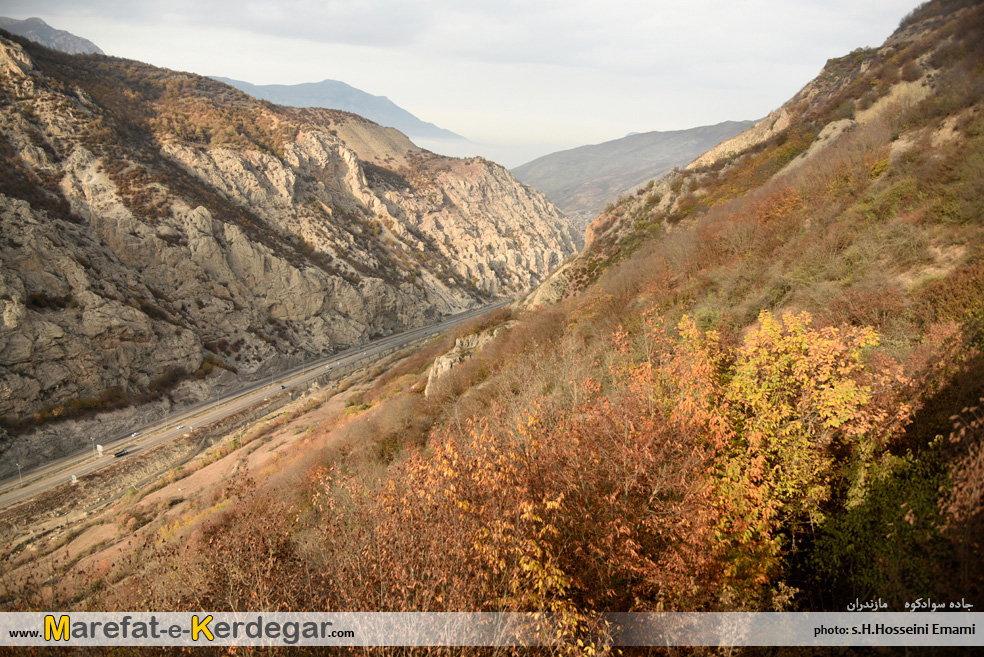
(334,94)
(38,31)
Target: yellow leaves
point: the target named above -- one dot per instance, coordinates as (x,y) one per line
(526,512)
(794,391)
(553,504)
(786,370)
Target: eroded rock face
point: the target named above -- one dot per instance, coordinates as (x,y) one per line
(462,214)
(134,257)
(463,350)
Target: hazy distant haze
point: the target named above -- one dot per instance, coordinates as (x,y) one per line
(523,78)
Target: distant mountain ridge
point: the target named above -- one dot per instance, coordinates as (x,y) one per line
(333,94)
(582,180)
(38,31)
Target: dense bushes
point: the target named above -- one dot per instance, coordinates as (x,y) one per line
(684,477)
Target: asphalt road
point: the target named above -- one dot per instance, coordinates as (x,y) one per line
(52,474)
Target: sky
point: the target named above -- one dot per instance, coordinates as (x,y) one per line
(519,79)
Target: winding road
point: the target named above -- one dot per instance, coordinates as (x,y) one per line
(86,461)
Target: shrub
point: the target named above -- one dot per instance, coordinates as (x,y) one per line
(890,543)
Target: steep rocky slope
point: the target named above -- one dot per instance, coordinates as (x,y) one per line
(165,236)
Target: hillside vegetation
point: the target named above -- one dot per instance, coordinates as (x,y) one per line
(758,388)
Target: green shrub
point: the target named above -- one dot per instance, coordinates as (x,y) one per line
(888,543)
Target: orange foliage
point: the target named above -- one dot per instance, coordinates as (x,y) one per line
(593,507)
(679,476)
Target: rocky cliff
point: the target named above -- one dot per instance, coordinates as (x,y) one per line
(166,236)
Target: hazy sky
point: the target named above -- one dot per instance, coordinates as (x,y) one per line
(523,78)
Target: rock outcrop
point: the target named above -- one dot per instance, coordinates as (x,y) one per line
(463,350)
(760,132)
